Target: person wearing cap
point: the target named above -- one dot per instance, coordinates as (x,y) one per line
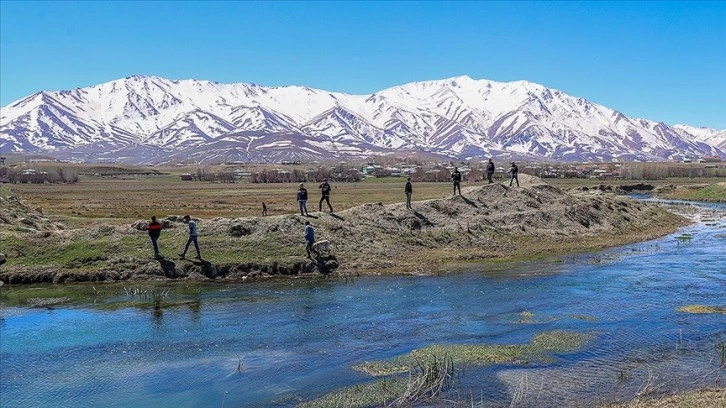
(408,189)
(302,199)
(513,170)
(192,237)
(456,178)
(325,195)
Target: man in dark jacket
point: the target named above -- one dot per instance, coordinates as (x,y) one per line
(302,199)
(456,178)
(513,171)
(154,229)
(490,171)
(325,195)
(408,189)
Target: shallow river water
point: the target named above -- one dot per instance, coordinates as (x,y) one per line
(284,342)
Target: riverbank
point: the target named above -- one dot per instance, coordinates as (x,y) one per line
(704,398)
(714,193)
(487,223)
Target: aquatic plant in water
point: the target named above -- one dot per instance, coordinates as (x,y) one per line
(431,369)
(700,309)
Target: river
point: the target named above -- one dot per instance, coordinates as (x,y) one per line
(283,342)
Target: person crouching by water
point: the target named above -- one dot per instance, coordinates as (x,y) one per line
(154,229)
(310,239)
(408,189)
(302,199)
(192,237)
(325,195)
(513,171)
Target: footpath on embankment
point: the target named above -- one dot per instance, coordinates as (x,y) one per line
(490,222)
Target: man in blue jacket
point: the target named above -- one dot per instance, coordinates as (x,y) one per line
(192,237)
(310,239)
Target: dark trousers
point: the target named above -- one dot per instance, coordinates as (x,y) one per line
(408,200)
(489,176)
(457,186)
(156,247)
(514,178)
(309,248)
(192,238)
(327,200)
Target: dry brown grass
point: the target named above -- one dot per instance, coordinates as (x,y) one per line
(143,196)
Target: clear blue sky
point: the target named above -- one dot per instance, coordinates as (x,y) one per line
(658,60)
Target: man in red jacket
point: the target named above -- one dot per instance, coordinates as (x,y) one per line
(154,229)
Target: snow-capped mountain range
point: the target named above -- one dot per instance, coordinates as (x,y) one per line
(152,120)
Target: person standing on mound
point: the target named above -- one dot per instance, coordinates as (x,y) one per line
(456,178)
(490,171)
(192,237)
(302,199)
(324,195)
(513,171)
(408,189)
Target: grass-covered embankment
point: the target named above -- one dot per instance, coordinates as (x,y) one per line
(715,193)
(488,223)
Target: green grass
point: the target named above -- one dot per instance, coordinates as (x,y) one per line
(702,309)
(711,192)
(481,354)
(431,368)
(375,393)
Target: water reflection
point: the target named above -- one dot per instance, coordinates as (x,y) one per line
(295,340)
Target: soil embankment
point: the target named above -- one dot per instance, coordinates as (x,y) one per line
(488,222)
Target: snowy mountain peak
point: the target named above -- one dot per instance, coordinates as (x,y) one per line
(154,119)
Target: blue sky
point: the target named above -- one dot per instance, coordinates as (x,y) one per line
(658,60)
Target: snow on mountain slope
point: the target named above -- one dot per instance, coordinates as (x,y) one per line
(152,119)
(713,137)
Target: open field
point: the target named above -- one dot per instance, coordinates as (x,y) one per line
(140,196)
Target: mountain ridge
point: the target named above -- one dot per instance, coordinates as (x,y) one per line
(458,117)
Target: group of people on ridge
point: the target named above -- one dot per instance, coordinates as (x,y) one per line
(154,227)
(302,197)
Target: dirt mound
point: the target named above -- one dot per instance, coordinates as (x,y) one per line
(381,236)
(490,221)
(15,214)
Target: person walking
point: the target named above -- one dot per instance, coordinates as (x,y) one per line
(456,178)
(513,171)
(192,237)
(310,239)
(264,209)
(325,195)
(490,171)
(154,229)
(302,199)
(408,189)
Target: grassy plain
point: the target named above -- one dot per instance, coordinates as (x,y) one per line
(163,193)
